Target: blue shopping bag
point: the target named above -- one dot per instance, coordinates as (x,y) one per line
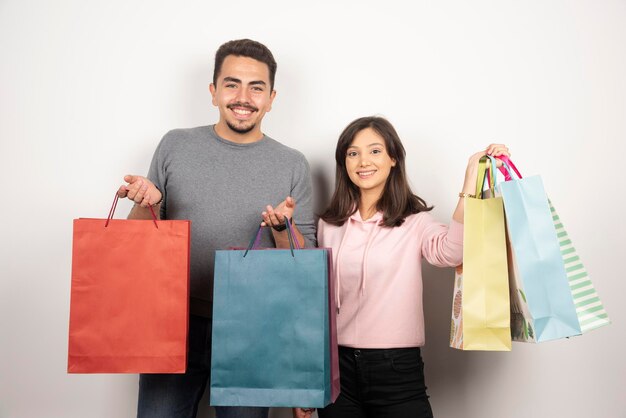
(271,328)
(542,307)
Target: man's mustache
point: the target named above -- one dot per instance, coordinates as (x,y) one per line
(244,105)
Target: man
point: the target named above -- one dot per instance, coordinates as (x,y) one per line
(221,177)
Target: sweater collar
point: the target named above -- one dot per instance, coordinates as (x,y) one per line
(356,216)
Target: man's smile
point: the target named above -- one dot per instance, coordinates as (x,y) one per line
(242,111)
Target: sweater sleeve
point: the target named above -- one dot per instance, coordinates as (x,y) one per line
(442,246)
(302,192)
(157,174)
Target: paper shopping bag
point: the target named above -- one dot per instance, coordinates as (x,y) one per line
(272,327)
(589,308)
(335,382)
(129,296)
(480,312)
(542,307)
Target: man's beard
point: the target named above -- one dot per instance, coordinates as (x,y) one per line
(241,130)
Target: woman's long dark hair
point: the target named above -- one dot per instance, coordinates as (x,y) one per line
(397,201)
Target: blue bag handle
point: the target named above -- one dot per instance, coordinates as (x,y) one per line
(254,243)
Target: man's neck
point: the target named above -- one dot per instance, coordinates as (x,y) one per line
(222,129)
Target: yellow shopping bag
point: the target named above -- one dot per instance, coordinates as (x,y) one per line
(481,310)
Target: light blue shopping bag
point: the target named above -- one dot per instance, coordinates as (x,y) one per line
(542,307)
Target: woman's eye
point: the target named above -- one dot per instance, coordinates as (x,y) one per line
(352,154)
(377,151)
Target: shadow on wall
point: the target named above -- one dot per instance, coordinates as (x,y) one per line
(448,370)
(322,189)
(444,369)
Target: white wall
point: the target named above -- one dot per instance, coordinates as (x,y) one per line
(88,88)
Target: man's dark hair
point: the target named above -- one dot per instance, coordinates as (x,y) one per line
(245,48)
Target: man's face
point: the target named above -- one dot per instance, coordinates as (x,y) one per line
(242,95)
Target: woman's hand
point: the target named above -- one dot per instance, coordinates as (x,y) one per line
(471,172)
(302,412)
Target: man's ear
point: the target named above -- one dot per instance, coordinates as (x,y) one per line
(212,90)
(272,97)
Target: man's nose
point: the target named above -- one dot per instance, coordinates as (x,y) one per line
(243,95)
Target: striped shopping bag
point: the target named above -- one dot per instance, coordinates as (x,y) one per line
(589,308)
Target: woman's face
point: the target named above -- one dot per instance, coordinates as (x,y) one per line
(368,163)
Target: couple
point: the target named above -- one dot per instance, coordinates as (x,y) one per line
(222,178)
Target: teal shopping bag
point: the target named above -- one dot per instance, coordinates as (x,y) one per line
(542,306)
(271,343)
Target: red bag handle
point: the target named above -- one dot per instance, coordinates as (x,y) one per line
(112,212)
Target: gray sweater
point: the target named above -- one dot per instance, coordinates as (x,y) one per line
(223,187)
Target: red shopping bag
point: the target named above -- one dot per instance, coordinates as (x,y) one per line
(130,296)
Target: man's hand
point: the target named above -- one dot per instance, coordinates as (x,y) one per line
(275,217)
(140,190)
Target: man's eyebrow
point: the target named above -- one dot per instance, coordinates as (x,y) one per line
(238,81)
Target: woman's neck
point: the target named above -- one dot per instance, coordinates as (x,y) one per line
(367,203)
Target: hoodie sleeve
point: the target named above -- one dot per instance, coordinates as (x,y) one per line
(442,245)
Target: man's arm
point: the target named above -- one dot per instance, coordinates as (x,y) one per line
(302,194)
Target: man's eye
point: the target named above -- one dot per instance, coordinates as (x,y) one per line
(257,88)
(230,86)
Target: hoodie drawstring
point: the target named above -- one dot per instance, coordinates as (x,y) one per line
(370,240)
(338,269)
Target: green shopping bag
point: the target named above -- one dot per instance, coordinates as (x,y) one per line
(589,308)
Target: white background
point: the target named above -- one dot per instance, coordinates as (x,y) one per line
(88,88)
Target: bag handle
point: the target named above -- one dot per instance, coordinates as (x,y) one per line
(254,243)
(506,167)
(112,212)
(484,174)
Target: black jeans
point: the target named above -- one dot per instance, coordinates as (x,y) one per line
(380,383)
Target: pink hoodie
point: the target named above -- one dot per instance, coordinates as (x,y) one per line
(379,276)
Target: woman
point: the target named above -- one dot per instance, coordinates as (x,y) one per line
(379,231)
